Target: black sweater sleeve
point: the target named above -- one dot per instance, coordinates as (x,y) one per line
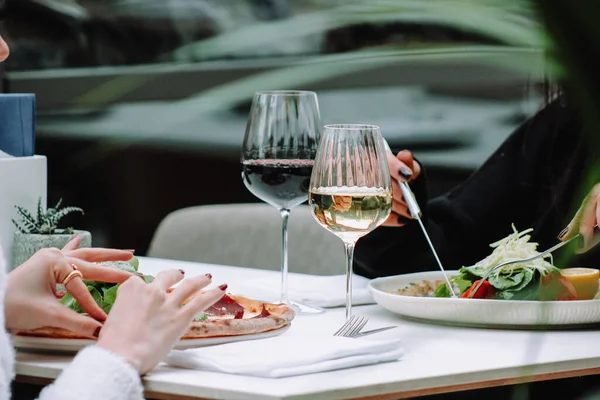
(462,223)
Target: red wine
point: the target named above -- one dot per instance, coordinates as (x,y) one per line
(281,183)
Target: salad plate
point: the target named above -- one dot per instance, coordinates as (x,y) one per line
(490,313)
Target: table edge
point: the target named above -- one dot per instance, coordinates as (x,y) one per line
(151,392)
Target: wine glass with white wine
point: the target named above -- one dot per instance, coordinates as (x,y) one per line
(350,191)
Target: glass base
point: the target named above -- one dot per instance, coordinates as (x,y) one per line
(304,309)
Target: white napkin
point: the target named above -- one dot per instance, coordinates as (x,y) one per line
(319,291)
(4,155)
(287,355)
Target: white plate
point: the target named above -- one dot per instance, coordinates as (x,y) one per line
(74,345)
(481,312)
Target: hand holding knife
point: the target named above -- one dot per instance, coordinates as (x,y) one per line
(415,212)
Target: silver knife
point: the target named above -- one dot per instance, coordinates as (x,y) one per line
(415,212)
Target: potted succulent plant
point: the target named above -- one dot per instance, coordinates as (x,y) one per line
(41,231)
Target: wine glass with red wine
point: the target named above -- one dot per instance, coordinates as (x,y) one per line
(280,144)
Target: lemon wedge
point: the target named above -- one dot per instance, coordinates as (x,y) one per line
(584,280)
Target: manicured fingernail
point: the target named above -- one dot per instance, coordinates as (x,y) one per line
(223,287)
(182,272)
(405,173)
(563,233)
(209,276)
(402,220)
(97,331)
(130,250)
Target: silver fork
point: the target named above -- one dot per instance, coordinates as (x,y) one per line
(504,264)
(351,328)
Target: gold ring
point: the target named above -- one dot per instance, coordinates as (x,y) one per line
(74,274)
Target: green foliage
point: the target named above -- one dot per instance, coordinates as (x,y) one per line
(45,222)
(510,23)
(573,44)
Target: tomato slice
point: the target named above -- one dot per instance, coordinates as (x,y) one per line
(485,291)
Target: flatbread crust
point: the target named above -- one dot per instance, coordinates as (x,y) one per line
(258,317)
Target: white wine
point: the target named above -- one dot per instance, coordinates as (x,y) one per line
(350,212)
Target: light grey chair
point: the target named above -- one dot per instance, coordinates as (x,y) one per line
(248,235)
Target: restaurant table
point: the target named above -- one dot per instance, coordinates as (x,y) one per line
(438,359)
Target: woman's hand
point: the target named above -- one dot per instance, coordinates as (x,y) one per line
(404,168)
(31,296)
(585,221)
(146,321)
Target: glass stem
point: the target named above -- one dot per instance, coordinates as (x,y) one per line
(349,246)
(285,214)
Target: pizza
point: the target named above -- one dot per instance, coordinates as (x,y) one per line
(230,316)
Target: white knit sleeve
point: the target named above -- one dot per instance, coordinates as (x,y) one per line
(96,373)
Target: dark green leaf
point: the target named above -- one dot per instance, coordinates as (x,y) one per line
(96,295)
(105,294)
(122,265)
(201,317)
(110,296)
(463,284)
(474,270)
(515,281)
(443,291)
(528,292)
(135,263)
(70,302)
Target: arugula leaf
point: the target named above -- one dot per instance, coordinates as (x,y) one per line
(463,284)
(123,265)
(529,292)
(69,301)
(466,275)
(513,280)
(443,291)
(96,295)
(129,266)
(135,262)
(509,278)
(110,295)
(105,294)
(528,276)
(201,317)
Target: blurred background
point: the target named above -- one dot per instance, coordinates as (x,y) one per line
(142,104)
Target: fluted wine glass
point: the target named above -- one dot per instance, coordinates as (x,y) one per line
(350,190)
(280,144)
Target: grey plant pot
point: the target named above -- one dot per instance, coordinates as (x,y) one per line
(27,244)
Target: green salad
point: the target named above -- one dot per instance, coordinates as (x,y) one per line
(534,280)
(104,293)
